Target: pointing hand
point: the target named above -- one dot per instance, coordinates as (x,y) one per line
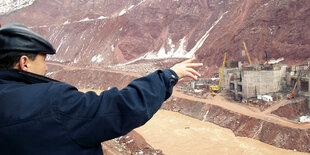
(186,69)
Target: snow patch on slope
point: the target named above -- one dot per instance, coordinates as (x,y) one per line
(8,6)
(112,48)
(141,2)
(102,17)
(181,51)
(130,62)
(53,58)
(172,47)
(62,41)
(86,19)
(125,10)
(131,7)
(97,58)
(122,12)
(203,39)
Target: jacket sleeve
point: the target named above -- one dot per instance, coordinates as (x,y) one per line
(90,119)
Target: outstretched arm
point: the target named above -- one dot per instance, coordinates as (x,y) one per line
(91,119)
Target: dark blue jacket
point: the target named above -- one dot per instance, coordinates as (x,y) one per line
(42,116)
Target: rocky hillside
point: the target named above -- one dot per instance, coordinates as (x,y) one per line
(102,33)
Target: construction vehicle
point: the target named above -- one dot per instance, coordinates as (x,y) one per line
(216,89)
(293,93)
(247,53)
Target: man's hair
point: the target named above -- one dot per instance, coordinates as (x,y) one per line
(9,59)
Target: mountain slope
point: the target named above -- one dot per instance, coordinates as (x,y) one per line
(102,33)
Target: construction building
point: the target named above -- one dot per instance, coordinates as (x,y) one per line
(252,81)
(259,81)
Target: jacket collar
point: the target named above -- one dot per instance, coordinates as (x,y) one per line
(22,76)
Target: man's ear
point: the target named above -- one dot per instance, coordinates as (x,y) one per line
(24,63)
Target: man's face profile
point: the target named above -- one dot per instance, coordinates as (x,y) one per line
(36,66)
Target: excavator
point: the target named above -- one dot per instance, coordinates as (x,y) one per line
(293,93)
(215,89)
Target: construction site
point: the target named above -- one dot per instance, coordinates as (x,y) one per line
(273,93)
(260,85)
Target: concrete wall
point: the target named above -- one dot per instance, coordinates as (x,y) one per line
(262,82)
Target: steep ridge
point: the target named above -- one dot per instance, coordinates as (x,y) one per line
(107,33)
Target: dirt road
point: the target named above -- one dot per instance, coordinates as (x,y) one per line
(246,110)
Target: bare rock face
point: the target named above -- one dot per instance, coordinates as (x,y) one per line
(101,33)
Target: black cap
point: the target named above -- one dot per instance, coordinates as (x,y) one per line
(17,37)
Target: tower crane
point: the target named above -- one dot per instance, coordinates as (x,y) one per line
(247,53)
(215,89)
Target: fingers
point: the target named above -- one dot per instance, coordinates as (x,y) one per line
(193,76)
(190,60)
(187,69)
(194,72)
(194,65)
(190,72)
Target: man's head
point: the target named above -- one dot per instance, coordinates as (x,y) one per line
(23,49)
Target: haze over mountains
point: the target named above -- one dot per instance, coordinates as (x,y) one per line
(102,33)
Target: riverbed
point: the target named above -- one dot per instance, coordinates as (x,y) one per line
(177,134)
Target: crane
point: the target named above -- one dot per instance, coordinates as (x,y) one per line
(215,89)
(247,53)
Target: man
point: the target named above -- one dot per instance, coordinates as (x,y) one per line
(39,115)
